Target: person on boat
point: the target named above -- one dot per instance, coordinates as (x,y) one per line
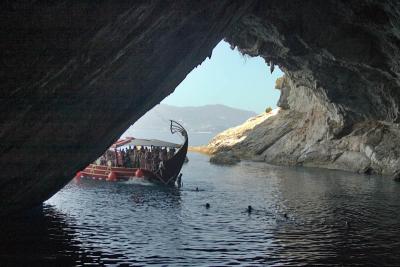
(137,158)
(171,152)
(142,158)
(132,158)
(122,161)
(103,160)
(117,157)
(148,159)
(127,161)
(164,154)
(161,168)
(114,159)
(133,151)
(127,153)
(123,156)
(120,158)
(107,157)
(155,160)
(160,154)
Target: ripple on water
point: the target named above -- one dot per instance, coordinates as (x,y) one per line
(300,217)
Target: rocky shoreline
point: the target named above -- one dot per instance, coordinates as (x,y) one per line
(294,137)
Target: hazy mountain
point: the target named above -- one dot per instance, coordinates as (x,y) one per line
(202,122)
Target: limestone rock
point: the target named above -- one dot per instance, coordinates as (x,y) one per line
(340,94)
(290,137)
(224,158)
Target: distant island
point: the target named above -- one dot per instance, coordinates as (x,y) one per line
(202,123)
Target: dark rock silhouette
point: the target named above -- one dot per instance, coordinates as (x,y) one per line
(76,74)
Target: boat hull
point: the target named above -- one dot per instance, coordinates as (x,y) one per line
(100,172)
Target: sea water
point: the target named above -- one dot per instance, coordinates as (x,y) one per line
(300,217)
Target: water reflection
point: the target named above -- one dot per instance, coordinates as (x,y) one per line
(300,217)
(336,218)
(41,237)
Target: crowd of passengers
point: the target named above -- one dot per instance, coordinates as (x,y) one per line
(149,158)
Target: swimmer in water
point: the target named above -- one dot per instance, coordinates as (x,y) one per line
(249,209)
(208,205)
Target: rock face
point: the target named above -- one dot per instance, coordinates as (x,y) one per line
(287,138)
(340,94)
(76,74)
(224,158)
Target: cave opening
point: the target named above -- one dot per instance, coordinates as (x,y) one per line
(78,84)
(230,85)
(76,75)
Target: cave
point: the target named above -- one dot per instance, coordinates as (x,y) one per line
(75,75)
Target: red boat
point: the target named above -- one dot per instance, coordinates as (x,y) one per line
(166,171)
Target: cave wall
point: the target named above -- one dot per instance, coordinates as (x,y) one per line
(340,94)
(346,51)
(76,74)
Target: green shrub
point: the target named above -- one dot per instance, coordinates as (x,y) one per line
(268,110)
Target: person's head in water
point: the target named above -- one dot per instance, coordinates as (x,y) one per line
(249,208)
(208,205)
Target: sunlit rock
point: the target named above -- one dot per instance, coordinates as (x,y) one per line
(340,96)
(224,158)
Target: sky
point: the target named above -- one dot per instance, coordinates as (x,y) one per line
(231,79)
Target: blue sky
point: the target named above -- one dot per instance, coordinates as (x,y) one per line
(230,79)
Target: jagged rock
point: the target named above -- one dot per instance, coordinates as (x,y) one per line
(340,95)
(224,158)
(286,138)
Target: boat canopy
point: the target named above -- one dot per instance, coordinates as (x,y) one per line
(130,141)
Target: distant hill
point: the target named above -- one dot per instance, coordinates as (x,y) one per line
(202,122)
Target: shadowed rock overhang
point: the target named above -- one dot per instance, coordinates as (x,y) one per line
(76,74)
(340,94)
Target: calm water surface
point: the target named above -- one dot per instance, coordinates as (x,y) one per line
(299,218)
